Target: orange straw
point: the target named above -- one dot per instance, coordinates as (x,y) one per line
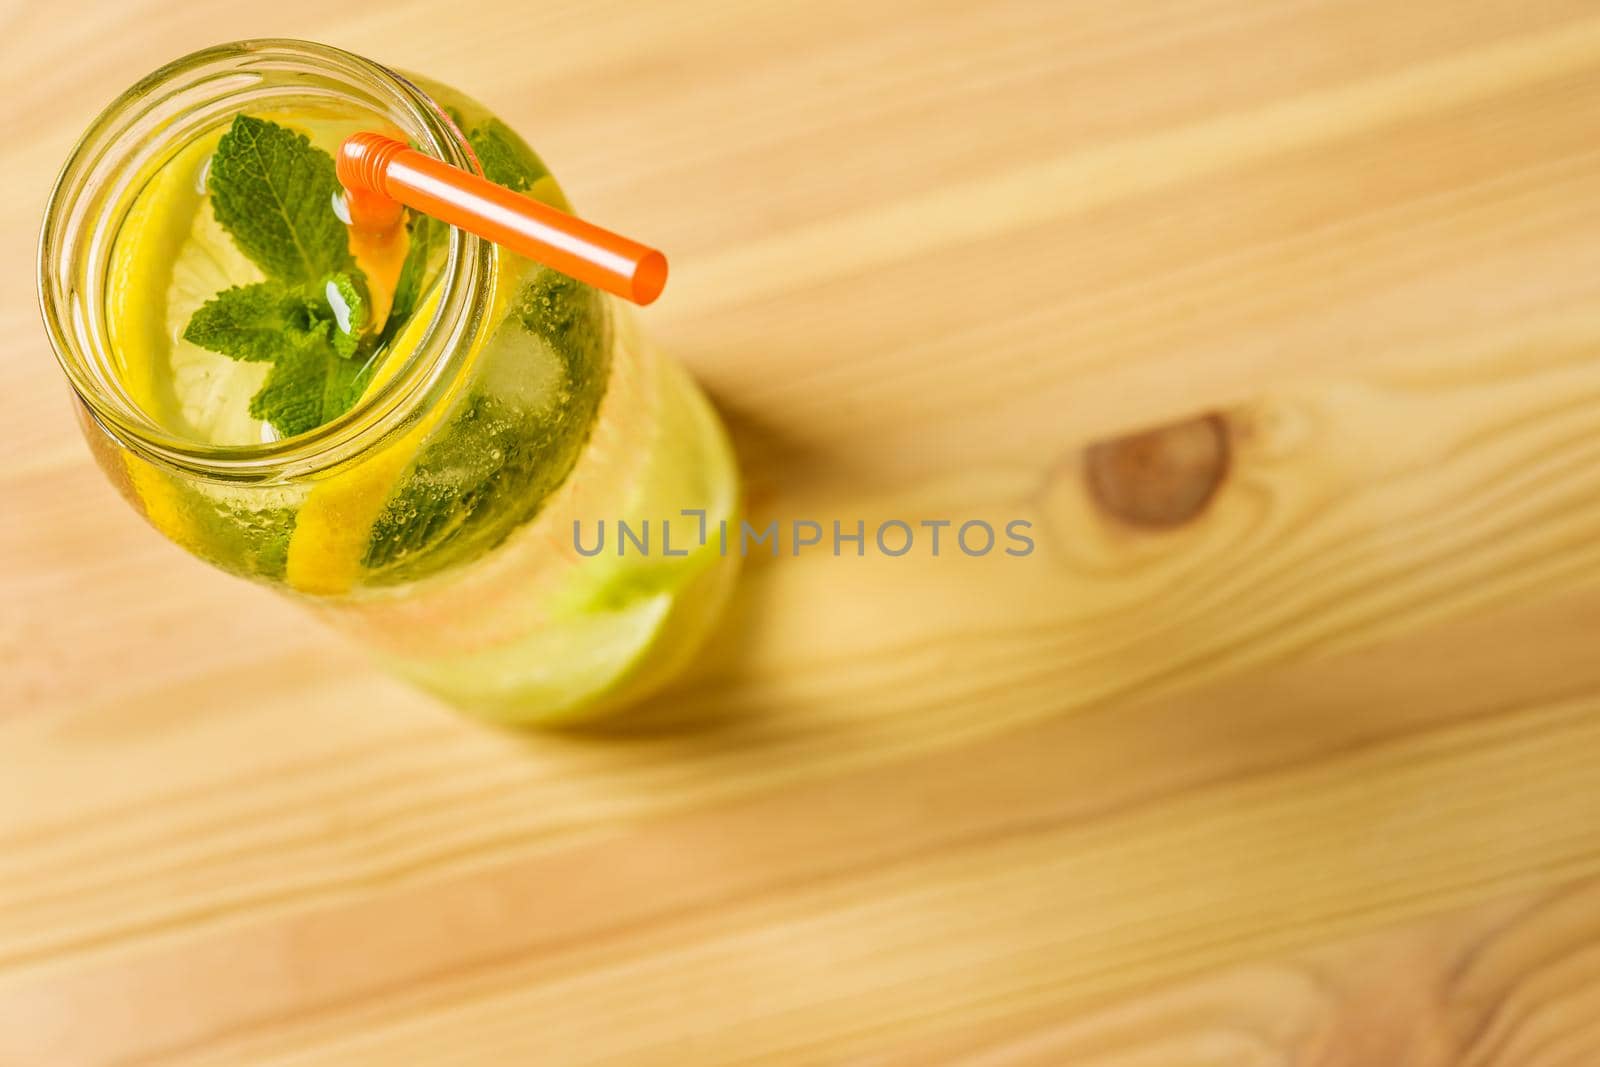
(381,173)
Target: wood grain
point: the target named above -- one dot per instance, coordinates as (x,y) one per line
(1310,777)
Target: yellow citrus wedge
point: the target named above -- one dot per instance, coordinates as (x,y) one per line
(335,522)
(169,254)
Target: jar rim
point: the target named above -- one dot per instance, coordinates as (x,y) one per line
(77,224)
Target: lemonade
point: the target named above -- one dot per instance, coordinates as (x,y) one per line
(401,429)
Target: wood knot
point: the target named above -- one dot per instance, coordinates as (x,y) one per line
(1163,477)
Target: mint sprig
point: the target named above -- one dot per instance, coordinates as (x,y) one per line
(273,191)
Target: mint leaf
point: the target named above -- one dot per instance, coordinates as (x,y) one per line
(273,192)
(348,304)
(570,317)
(506,158)
(353,378)
(249,322)
(310,383)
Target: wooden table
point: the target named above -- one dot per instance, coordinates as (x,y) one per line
(1283,747)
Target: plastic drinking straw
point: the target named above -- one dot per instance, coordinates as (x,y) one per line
(380,174)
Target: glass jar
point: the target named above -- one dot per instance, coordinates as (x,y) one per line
(455,520)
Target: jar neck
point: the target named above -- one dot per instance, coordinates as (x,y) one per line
(143,130)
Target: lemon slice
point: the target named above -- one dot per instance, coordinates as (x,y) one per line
(335,522)
(170,257)
(618,628)
(691,461)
